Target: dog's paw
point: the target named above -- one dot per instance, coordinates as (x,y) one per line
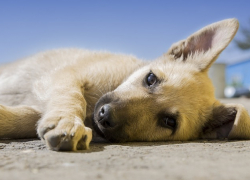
(65,134)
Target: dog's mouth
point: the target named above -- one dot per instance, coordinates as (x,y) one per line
(96,128)
(113,135)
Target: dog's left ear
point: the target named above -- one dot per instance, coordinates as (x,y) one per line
(230,121)
(203,47)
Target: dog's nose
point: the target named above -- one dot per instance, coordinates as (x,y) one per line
(105,118)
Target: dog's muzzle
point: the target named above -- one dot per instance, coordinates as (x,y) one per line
(107,119)
(104,117)
(103,122)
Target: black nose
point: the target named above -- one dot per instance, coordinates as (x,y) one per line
(105,118)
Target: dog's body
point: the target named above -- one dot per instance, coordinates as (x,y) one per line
(171,98)
(29,84)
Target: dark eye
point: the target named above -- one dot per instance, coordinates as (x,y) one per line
(151,79)
(169,122)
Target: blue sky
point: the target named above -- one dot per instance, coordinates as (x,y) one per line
(143,28)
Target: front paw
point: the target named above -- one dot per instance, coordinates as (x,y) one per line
(65,134)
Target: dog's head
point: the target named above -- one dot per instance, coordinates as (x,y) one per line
(172,98)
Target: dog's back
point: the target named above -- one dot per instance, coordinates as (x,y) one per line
(22,81)
(26,85)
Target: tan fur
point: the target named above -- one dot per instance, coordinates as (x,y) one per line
(64,89)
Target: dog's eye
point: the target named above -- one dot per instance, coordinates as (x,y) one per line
(151,79)
(169,122)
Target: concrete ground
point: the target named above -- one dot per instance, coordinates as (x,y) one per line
(29,159)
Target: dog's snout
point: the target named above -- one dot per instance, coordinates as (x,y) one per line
(104,112)
(105,118)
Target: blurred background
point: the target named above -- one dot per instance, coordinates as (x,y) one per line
(145,29)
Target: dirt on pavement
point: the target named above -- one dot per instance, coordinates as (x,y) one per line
(29,159)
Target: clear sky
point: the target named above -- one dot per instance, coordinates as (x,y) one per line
(140,27)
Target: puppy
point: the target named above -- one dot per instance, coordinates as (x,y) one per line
(61,95)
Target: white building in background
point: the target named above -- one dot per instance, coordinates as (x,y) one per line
(236,77)
(217,74)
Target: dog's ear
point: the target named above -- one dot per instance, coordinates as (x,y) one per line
(203,47)
(229,121)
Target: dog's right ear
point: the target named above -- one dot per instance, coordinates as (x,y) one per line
(229,121)
(203,47)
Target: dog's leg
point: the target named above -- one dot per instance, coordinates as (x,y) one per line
(61,126)
(18,122)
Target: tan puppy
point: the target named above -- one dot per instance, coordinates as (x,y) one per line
(171,98)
